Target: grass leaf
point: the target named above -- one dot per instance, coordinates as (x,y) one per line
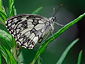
(15,12)
(3,15)
(12,59)
(39,60)
(12,9)
(63,56)
(14,46)
(7,37)
(2,8)
(5,44)
(79,57)
(1,20)
(4,54)
(58,33)
(0,59)
(2,11)
(37,10)
(7,55)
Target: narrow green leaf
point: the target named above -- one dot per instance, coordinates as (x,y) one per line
(2,7)
(15,12)
(2,20)
(58,33)
(5,35)
(37,10)
(11,1)
(14,51)
(11,56)
(5,44)
(0,58)
(63,56)
(9,40)
(4,54)
(8,13)
(12,9)
(2,11)
(39,60)
(79,57)
(3,15)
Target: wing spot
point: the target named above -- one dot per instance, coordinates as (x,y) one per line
(39,26)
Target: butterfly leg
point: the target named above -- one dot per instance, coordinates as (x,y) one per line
(52,32)
(53,35)
(58,23)
(18,49)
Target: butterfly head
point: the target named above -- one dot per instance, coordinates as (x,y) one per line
(52,19)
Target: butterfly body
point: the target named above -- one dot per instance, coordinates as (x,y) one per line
(28,30)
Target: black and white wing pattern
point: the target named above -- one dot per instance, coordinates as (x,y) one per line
(27,29)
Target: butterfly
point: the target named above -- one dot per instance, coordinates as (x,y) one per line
(30,29)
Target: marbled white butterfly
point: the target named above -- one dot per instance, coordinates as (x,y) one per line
(29,30)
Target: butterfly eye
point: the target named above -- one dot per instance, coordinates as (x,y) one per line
(54,18)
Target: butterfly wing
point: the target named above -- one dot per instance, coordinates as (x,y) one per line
(27,29)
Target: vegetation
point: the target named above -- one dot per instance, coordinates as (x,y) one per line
(8,48)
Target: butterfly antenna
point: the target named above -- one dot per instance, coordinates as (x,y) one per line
(55,11)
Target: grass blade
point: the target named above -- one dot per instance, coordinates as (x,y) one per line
(63,56)
(39,60)
(14,47)
(8,55)
(4,54)
(8,41)
(12,59)
(15,12)
(63,29)
(79,57)
(3,22)
(2,10)
(0,59)
(12,9)
(3,15)
(5,44)
(37,10)
(5,35)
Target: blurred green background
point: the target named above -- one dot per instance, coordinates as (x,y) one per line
(68,12)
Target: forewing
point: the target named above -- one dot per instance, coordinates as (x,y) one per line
(27,29)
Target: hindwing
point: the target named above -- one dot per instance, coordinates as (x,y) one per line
(27,29)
